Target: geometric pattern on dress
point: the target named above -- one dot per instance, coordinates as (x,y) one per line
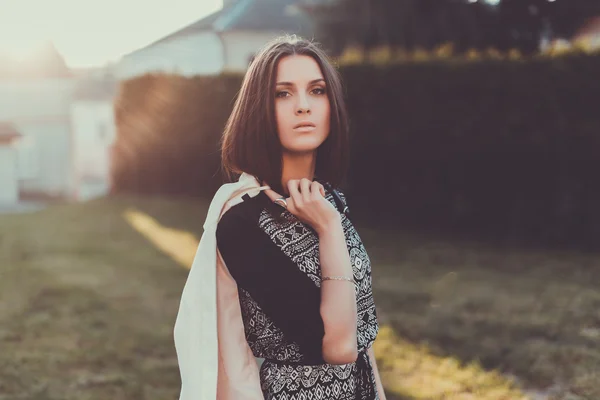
(301,244)
(298,382)
(296,240)
(281,381)
(264,338)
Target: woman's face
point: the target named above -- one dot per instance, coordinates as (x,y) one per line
(301,104)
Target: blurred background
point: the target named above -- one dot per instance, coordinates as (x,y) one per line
(475,128)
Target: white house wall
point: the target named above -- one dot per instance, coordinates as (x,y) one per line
(9,193)
(199,54)
(93,135)
(39,98)
(241,46)
(51,154)
(39,110)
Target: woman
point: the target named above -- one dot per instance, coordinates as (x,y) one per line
(302,272)
(293,277)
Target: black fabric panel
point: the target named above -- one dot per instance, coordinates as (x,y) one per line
(286,294)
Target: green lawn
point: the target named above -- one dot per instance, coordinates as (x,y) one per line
(89,295)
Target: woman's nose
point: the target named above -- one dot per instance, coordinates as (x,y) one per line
(303,107)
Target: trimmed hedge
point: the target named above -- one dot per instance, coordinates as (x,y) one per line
(499,148)
(168,129)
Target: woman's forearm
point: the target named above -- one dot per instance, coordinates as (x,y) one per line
(338,298)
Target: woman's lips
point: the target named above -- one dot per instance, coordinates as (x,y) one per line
(305,128)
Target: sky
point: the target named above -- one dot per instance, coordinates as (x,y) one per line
(92,33)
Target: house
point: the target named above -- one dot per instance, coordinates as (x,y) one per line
(38,109)
(93,133)
(224,41)
(55,132)
(9,188)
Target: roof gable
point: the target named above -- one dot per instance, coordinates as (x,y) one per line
(266,15)
(250,15)
(205,24)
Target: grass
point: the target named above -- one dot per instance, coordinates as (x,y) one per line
(531,314)
(87,307)
(89,295)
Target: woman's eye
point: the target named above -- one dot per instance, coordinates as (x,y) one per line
(281,94)
(319,91)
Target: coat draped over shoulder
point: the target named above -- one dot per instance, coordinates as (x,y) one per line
(215,360)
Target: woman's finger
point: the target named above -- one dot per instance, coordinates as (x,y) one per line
(305,189)
(273,195)
(295,194)
(316,189)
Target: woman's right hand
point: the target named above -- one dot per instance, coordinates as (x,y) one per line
(308,203)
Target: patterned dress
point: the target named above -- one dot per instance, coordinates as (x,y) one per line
(274,258)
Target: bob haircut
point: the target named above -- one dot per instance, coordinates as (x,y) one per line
(250,142)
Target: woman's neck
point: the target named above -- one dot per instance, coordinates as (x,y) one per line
(297,166)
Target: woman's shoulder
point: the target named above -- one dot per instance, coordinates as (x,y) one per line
(239,219)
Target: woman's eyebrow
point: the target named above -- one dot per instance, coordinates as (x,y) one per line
(310,83)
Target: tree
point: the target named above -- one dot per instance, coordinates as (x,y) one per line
(409,24)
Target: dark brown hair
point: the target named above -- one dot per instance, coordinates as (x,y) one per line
(250,141)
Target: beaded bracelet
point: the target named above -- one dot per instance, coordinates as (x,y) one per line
(338,278)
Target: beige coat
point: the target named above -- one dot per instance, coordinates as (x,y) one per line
(215,361)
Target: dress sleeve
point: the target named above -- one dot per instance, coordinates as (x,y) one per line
(285,293)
